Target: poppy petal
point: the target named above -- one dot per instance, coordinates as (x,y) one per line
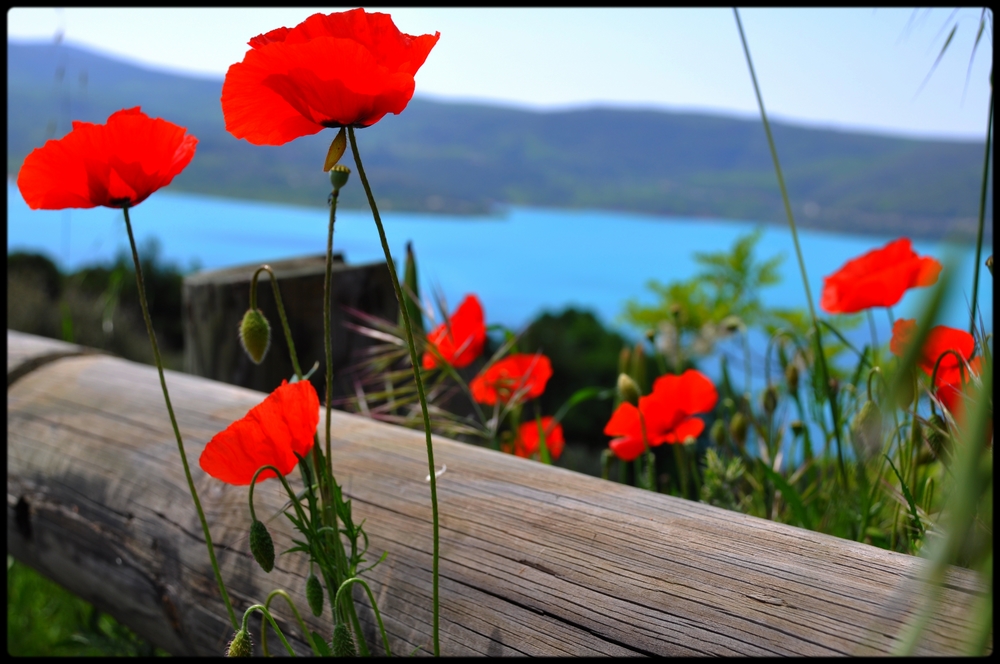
(878,278)
(122,161)
(520,377)
(459,341)
(342,69)
(627,448)
(270,434)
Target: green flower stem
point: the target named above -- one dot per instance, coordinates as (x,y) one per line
(302,625)
(329,511)
(292,354)
(647,478)
(982,213)
(267,614)
(281,314)
(173,421)
(416,376)
(876,351)
(378,616)
(834,409)
(327,344)
(448,368)
(316,552)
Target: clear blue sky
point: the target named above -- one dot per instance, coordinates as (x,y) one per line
(856,68)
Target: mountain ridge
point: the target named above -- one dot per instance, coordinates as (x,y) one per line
(468,158)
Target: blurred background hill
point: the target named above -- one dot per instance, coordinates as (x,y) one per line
(469,158)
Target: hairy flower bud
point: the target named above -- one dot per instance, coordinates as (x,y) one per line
(904,396)
(241,645)
(343,644)
(718,433)
(628,390)
(738,428)
(792,377)
(938,439)
(770,399)
(314,594)
(255,335)
(866,430)
(261,545)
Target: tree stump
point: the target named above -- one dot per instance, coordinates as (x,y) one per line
(215,302)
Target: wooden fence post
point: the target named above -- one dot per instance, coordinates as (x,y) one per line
(214,303)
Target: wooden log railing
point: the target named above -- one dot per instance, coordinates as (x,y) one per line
(536,560)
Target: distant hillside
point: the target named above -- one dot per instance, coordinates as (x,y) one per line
(465,158)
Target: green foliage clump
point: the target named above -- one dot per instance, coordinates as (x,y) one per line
(45,620)
(583,353)
(722,296)
(98,305)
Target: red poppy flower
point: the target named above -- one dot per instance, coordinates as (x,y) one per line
(527,438)
(332,70)
(954,388)
(940,340)
(877,279)
(516,377)
(114,164)
(460,340)
(951,382)
(271,433)
(668,414)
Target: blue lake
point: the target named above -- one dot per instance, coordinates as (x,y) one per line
(524,262)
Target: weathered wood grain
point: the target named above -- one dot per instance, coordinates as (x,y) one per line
(536,560)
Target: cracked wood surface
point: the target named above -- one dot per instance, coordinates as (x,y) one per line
(535,560)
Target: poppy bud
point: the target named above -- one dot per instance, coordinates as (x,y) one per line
(792,377)
(255,335)
(770,399)
(904,395)
(797,427)
(718,433)
(627,389)
(938,439)
(732,324)
(866,429)
(338,176)
(738,428)
(314,594)
(343,644)
(241,645)
(261,545)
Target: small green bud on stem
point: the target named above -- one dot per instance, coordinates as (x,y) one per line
(338,176)
(314,594)
(241,645)
(718,433)
(792,377)
(770,399)
(343,644)
(255,335)
(738,428)
(261,545)
(628,390)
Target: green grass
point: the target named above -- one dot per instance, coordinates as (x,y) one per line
(46,620)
